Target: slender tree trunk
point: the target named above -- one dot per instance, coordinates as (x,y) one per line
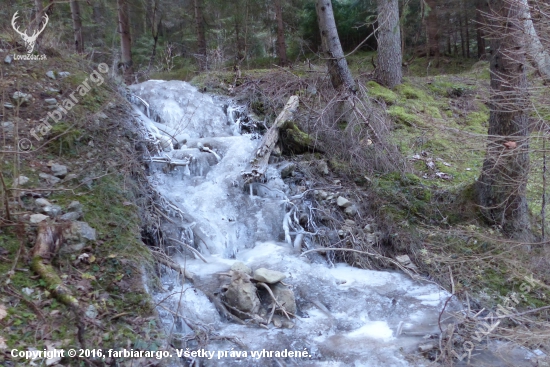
(467,37)
(537,54)
(77,26)
(479,30)
(281,45)
(502,184)
(340,75)
(432,30)
(390,59)
(125,40)
(461,37)
(201,36)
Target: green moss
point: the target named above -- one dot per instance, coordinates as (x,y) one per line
(410,92)
(377,91)
(478,121)
(401,116)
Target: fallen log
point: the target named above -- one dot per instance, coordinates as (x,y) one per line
(260,160)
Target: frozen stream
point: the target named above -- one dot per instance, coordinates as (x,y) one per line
(345,316)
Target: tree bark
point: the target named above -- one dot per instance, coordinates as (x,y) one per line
(125,40)
(502,185)
(77,26)
(281,45)
(201,36)
(537,54)
(432,30)
(479,30)
(390,58)
(340,75)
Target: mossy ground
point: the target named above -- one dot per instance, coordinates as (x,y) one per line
(107,276)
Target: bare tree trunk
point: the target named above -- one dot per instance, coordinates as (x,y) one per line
(537,54)
(502,184)
(281,45)
(432,30)
(125,40)
(77,26)
(479,31)
(340,75)
(201,36)
(390,58)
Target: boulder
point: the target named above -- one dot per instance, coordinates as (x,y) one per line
(52,210)
(268,276)
(76,235)
(241,293)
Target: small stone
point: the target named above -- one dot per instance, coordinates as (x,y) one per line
(286,169)
(285,297)
(242,294)
(63,74)
(37,218)
(351,210)
(49,178)
(8,59)
(268,276)
(41,202)
(59,170)
(22,98)
(52,210)
(7,126)
(240,266)
(403,259)
(21,180)
(343,202)
(75,206)
(368,228)
(277,322)
(50,101)
(322,167)
(71,216)
(349,223)
(8,106)
(101,116)
(77,235)
(91,312)
(50,74)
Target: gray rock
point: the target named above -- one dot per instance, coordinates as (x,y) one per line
(8,106)
(322,167)
(7,126)
(63,74)
(53,90)
(22,98)
(52,210)
(268,276)
(285,297)
(351,210)
(50,101)
(50,74)
(287,169)
(343,202)
(21,180)
(41,202)
(8,59)
(75,206)
(240,266)
(37,218)
(241,293)
(91,312)
(71,216)
(49,178)
(59,170)
(77,235)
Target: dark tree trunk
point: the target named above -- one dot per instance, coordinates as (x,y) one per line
(461,37)
(201,36)
(77,26)
(125,40)
(502,184)
(390,59)
(432,30)
(340,75)
(479,30)
(281,45)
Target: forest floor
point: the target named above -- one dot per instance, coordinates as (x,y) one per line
(438,120)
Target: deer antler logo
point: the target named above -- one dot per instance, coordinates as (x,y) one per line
(30,41)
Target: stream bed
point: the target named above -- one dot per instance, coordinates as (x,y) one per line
(343,316)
